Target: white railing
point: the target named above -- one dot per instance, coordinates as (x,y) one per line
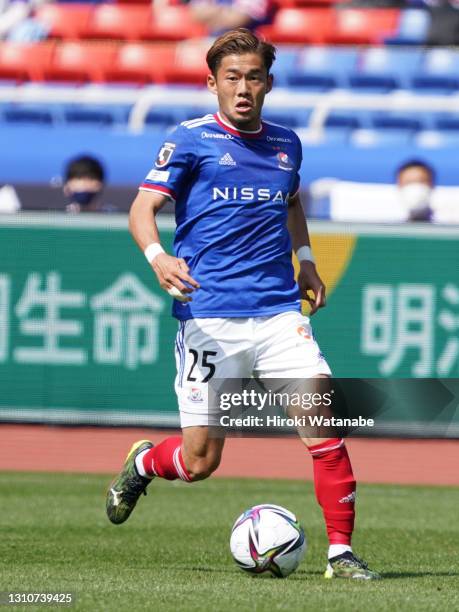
(322,104)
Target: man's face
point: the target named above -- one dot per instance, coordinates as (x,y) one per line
(415,191)
(82,193)
(241,85)
(414,174)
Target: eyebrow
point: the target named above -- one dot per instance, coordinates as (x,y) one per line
(252,71)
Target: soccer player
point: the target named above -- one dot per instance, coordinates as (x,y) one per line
(234,179)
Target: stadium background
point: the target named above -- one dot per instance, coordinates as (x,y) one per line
(86,337)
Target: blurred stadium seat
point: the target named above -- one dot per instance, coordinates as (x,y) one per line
(285,64)
(354,26)
(67,20)
(403,122)
(141,63)
(81,62)
(322,68)
(439,71)
(112,21)
(189,64)
(172,23)
(22,62)
(27,114)
(383,69)
(446,122)
(312,26)
(412,28)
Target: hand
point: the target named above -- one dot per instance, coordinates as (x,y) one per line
(171,272)
(309,280)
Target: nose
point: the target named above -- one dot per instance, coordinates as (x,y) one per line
(242,86)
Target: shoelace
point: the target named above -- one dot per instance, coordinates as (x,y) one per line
(135,487)
(353,561)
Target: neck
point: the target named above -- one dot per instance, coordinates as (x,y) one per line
(251,127)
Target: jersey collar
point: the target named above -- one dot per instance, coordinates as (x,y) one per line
(241,133)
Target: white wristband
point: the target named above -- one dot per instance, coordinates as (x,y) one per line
(304,253)
(152,250)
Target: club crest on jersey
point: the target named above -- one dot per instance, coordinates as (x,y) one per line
(195,395)
(165,154)
(284,161)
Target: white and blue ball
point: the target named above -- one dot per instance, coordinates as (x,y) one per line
(268,539)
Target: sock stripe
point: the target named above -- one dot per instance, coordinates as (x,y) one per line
(324,449)
(178,465)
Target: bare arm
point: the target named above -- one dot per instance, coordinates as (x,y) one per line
(308,278)
(170,271)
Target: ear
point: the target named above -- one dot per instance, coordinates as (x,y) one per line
(270,83)
(212,84)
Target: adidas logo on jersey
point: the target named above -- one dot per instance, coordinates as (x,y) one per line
(227,160)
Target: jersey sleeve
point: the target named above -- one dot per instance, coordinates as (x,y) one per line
(299,159)
(173,165)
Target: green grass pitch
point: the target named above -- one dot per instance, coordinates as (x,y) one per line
(173,553)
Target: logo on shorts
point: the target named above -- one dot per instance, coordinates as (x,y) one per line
(284,161)
(303,332)
(165,154)
(195,395)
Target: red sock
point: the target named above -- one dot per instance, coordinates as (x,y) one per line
(165,460)
(335,488)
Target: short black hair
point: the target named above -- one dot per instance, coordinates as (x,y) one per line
(417,163)
(239,42)
(84,166)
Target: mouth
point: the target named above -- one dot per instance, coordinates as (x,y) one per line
(244,106)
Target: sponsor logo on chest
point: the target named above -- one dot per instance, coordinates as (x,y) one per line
(250,194)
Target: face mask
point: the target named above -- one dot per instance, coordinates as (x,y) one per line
(83,198)
(415,196)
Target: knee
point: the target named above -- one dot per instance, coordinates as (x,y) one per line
(200,468)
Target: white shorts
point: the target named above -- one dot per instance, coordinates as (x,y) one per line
(282,346)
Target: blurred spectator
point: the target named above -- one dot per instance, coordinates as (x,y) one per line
(9,201)
(84,183)
(17,23)
(416,180)
(222,15)
(444,24)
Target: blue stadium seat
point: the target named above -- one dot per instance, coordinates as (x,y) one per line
(291,117)
(380,69)
(447,122)
(412,28)
(89,115)
(410,122)
(28,114)
(433,139)
(351,119)
(322,68)
(284,66)
(381,138)
(439,71)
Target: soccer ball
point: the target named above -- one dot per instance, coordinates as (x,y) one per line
(268,539)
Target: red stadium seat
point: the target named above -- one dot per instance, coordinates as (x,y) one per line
(363,26)
(190,64)
(141,63)
(173,23)
(24,62)
(299,26)
(112,21)
(81,61)
(306,3)
(66,21)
